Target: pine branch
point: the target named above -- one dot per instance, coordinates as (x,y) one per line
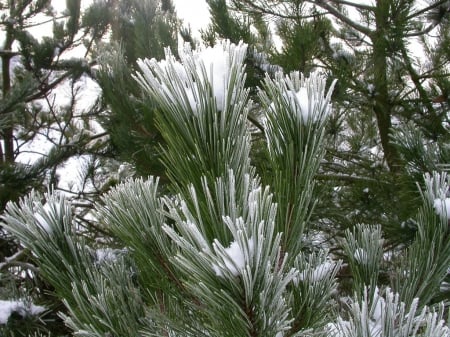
(266,8)
(296,110)
(202,115)
(386,315)
(426,261)
(248,277)
(349,178)
(354,5)
(364,250)
(335,12)
(426,9)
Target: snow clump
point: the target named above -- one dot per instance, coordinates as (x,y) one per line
(108,255)
(233,258)
(302,102)
(184,82)
(361,256)
(23,308)
(306,98)
(315,274)
(442,207)
(44,215)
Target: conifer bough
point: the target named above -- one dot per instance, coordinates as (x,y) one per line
(218,254)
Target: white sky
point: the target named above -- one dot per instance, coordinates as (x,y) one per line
(193,12)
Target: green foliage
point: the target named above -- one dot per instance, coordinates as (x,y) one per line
(427,258)
(364,250)
(130,120)
(388,316)
(222,242)
(143,29)
(253,30)
(182,247)
(208,126)
(45,121)
(382,89)
(129,221)
(256,297)
(296,110)
(313,290)
(80,278)
(301,43)
(225,25)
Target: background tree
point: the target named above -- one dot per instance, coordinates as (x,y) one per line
(52,119)
(42,125)
(391,112)
(144,29)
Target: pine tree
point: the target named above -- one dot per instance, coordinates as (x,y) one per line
(143,29)
(217,253)
(45,123)
(390,122)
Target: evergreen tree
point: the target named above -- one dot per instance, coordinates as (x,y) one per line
(42,126)
(390,123)
(49,57)
(217,253)
(143,29)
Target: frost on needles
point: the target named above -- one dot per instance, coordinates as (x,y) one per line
(200,78)
(219,250)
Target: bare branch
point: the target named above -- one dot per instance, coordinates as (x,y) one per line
(8,53)
(333,11)
(14,258)
(41,23)
(349,178)
(352,4)
(424,31)
(254,8)
(426,9)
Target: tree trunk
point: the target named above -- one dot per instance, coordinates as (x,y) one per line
(7,132)
(382,104)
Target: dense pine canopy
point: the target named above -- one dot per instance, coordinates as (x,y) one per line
(286,177)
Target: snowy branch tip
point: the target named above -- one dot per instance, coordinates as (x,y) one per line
(437,192)
(186,82)
(306,97)
(21,307)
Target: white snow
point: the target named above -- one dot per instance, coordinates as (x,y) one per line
(300,102)
(361,256)
(21,307)
(339,329)
(204,65)
(108,255)
(307,100)
(303,102)
(372,314)
(217,63)
(442,207)
(376,313)
(317,274)
(234,259)
(445,286)
(40,219)
(42,223)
